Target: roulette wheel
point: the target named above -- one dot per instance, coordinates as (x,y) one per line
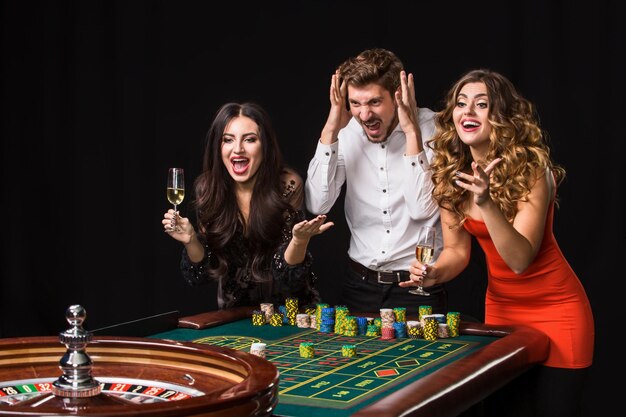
(79,374)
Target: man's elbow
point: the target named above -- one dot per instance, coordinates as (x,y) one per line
(316,209)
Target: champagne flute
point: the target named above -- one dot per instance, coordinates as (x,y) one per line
(175,191)
(424,251)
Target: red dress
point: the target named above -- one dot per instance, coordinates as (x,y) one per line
(547,296)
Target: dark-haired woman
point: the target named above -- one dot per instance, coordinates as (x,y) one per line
(251,235)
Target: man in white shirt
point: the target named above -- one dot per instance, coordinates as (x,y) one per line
(373,141)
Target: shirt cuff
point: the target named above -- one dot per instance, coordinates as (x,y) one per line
(325,152)
(417,162)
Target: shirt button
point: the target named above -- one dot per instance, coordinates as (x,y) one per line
(413,163)
(326,154)
(387,231)
(384,191)
(385,212)
(382,146)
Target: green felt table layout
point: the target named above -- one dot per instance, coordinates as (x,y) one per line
(329,383)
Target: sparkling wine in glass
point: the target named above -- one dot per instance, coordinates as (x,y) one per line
(175,190)
(424,252)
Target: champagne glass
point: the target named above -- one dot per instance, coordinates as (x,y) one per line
(175,190)
(424,251)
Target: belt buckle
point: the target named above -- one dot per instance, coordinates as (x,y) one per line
(378,276)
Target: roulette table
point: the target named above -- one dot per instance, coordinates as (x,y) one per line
(398,377)
(202,367)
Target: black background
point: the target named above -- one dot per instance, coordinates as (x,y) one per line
(99,98)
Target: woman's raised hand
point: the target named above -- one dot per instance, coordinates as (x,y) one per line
(479,182)
(306,229)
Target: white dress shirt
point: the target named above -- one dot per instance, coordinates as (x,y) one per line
(388,194)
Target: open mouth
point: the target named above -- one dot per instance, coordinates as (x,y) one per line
(469,125)
(240,165)
(373,128)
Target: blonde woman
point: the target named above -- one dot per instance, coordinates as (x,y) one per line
(494,179)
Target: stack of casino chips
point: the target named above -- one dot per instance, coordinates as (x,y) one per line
(268,310)
(341,312)
(400,314)
(328,320)
(424,310)
(307,350)
(351,327)
(291,304)
(400,329)
(414,329)
(373,330)
(318,314)
(361,324)
(283,311)
(311,312)
(415,332)
(412,323)
(258,318)
(439,318)
(303,320)
(442,331)
(430,327)
(276,319)
(258,349)
(387,317)
(348,351)
(453,320)
(387,333)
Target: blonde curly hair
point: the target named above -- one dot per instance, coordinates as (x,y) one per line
(515,137)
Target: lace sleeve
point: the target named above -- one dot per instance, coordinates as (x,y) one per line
(195,273)
(294,280)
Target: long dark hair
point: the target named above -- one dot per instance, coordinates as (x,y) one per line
(218,215)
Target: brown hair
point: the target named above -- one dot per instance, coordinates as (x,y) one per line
(376,65)
(515,137)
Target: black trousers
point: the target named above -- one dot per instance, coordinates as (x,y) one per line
(361,295)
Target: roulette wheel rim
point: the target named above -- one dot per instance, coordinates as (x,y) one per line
(232,381)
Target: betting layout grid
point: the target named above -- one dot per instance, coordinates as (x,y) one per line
(332,380)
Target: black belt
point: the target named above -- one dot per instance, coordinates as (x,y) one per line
(378,277)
